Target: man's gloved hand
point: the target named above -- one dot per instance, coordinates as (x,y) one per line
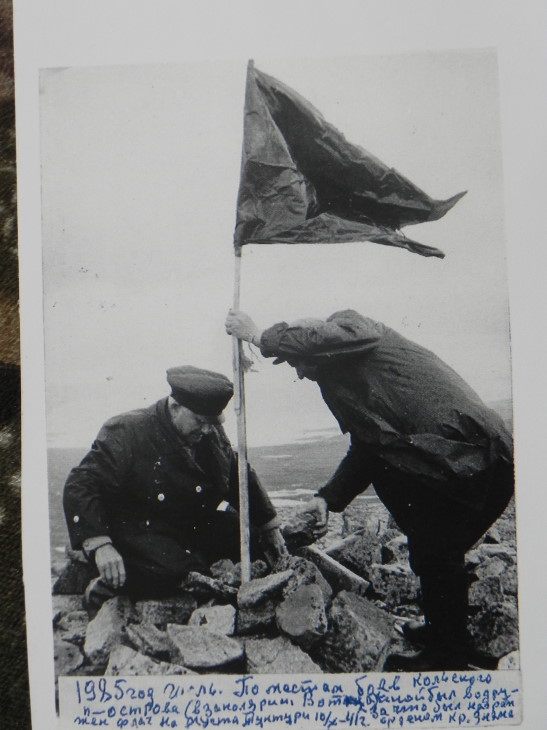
(317,508)
(110,565)
(275,550)
(240,325)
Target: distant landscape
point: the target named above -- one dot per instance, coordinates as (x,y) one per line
(290,472)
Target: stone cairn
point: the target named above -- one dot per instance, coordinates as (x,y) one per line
(333,606)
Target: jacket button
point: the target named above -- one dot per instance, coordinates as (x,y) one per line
(199,489)
(76,519)
(147,523)
(161,497)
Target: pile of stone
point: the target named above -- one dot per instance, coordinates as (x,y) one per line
(334,609)
(272,624)
(378,552)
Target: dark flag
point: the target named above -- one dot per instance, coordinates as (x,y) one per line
(303,182)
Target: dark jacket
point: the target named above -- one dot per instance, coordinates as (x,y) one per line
(139,480)
(403,406)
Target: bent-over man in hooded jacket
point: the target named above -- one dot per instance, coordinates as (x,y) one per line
(157,496)
(439,459)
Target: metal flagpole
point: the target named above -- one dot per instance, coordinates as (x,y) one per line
(239,402)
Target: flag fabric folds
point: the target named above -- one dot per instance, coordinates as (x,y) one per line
(303,182)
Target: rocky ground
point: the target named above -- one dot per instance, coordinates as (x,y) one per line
(334,607)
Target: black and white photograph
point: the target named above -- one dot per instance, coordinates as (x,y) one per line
(380,491)
(278,391)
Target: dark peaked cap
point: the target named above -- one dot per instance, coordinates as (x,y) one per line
(202,391)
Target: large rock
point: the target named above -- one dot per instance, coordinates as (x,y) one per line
(394,584)
(148,639)
(301,616)
(357,552)
(472,560)
(107,629)
(73,626)
(65,603)
(505,530)
(486,592)
(74,578)
(306,573)
(339,577)
(298,531)
(203,585)
(495,629)
(221,619)
(492,536)
(257,619)
(497,561)
(509,581)
(127,662)
(202,649)
(175,610)
(395,550)
(277,656)
(504,552)
(257,601)
(357,636)
(67,657)
(495,566)
(256,591)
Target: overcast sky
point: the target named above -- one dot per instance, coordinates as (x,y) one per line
(140,172)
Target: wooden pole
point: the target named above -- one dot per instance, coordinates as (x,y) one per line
(239,402)
(239,393)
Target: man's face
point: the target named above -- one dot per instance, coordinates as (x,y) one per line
(304,370)
(191,426)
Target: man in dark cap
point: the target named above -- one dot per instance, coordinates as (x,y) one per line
(439,459)
(157,496)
